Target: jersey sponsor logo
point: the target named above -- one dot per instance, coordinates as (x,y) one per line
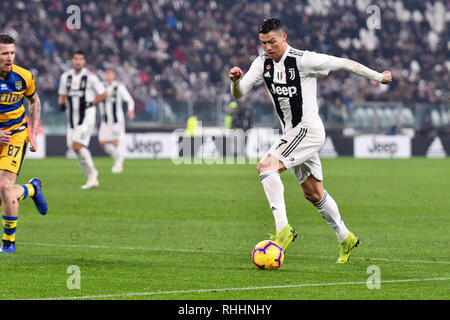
(10,97)
(283,90)
(76,93)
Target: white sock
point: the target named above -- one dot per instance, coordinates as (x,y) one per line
(330,212)
(274,189)
(85,159)
(113,151)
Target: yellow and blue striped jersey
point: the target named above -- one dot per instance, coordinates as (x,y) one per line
(19,83)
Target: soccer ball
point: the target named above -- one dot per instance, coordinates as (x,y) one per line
(267,255)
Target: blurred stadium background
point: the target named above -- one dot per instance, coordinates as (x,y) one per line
(174,57)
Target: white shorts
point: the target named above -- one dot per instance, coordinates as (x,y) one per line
(81,134)
(298,149)
(111,132)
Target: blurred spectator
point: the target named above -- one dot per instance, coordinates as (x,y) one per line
(427,129)
(242,116)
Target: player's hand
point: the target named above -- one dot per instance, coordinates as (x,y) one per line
(5,137)
(130,114)
(235,74)
(387,77)
(33,142)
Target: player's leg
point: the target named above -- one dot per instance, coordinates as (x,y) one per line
(109,137)
(118,157)
(79,142)
(9,194)
(309,176)
(84,158)
(269,169)
(113,150)
(314,192)
(11,160)
(277,160)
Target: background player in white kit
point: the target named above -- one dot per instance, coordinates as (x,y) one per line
(79,91)
(290,78)
(112,119)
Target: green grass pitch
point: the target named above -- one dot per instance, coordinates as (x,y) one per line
(185,232)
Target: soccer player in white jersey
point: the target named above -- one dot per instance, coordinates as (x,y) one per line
(112,119)
(290,79)
(79,91)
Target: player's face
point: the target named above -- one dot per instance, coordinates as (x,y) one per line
(78,61)
(110,76)
(274,44)
(7,55)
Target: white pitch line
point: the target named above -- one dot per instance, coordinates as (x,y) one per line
(215,252)
(153,293)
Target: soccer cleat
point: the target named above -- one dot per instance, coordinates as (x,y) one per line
(346,247)
(38,198)
(92,181)
(118,167)
(284,237)
(8,247)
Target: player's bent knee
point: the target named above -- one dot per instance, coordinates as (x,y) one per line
(77,146)
(264,166)
(270,163)
(5,190)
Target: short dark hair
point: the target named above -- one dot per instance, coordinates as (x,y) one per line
(270,24)
(80,52)
(6,39)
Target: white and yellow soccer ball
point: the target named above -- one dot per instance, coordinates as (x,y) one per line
(267,255)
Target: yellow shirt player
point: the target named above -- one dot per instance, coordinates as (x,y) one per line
(16,83)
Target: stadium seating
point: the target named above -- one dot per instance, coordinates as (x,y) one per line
(176,56)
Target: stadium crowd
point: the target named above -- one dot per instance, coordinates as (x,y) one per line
(183,49)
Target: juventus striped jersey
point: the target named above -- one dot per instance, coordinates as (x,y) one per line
(79,89)
(291,83)
(111,110)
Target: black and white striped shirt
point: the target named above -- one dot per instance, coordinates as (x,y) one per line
(291,84)
(79,89)
(111,110)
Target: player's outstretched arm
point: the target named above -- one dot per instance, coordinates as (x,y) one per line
(235,75)
(361,70)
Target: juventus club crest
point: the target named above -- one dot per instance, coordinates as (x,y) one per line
(291,72)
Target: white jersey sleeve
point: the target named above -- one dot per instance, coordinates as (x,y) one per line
(319,63)
(252,78)
(126,96)
(62,90)
(97,85)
